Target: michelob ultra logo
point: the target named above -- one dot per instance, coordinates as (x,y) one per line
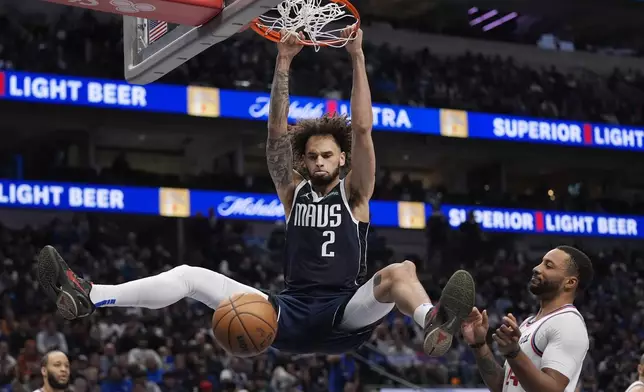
(249,207)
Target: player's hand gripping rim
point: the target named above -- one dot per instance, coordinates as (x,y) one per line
(290,45)
(354,39)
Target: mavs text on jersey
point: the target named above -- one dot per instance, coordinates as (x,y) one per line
(326,247)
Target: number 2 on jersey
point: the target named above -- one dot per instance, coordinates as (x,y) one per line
(325,246)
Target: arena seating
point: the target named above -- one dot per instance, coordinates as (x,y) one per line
(124,350)
(86,46)
(118,349)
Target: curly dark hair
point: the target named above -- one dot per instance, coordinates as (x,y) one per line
(336,126)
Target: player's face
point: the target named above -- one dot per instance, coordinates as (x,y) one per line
(57,371)
(549,277)
(323,159)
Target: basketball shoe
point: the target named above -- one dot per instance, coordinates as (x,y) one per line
(445,318)
(61,284)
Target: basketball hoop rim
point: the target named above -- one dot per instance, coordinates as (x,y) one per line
(275,36)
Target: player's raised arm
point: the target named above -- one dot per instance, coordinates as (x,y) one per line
(279,154)
(362,178)
(474,331)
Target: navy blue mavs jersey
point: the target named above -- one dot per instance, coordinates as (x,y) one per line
(325,263)
(326,248)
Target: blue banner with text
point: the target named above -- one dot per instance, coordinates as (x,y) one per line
(212,102)
(70,90)
(254,106)
(181,203)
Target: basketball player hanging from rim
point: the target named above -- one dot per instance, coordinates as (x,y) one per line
(326,306)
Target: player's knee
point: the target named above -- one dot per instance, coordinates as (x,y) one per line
(183,271)
(404,271)
(392,276)
(398,273)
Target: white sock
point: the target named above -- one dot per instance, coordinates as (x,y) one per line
(421,312)
(164,289)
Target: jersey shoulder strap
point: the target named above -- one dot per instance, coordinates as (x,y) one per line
(297,190)
(637,383)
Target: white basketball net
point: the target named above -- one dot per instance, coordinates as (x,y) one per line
(312,18)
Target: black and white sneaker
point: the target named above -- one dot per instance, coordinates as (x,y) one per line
(60,283)
(445,318)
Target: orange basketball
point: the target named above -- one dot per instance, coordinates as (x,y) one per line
(245,324)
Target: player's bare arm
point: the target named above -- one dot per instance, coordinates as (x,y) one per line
(489,368)
(279,154)
(531,378)
(361,180)
(474,331)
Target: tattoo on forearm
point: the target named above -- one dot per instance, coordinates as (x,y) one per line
(491,371)
(279,156)
(279,105)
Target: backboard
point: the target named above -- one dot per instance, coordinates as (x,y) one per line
(154,48)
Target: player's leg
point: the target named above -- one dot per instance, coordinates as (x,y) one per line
(398,285)
(76,297)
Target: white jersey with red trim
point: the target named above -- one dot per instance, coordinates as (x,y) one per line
(634,385)
(557,341)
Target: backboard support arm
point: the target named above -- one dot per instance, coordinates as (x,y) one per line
(184,42)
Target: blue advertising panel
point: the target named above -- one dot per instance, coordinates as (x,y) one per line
(173,202)
(570,133)
(212,102)
(78,197)
(70,90)
(547,222)
(262,206)
(254,106)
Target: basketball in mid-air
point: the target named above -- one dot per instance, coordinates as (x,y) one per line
(245,325)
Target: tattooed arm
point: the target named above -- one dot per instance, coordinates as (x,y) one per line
(279,154)
(475,329)
(361,180)
(491,372)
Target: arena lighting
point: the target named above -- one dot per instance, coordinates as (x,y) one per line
(491,17)
(484,17)
(500,21)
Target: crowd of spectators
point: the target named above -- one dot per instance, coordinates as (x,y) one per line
(172,349)
(85,46)
(81,44)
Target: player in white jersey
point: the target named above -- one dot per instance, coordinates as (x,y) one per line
(638,386)
(54,369)
(545,353)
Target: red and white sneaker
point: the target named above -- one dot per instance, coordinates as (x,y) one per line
(445,318)
(63,286)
